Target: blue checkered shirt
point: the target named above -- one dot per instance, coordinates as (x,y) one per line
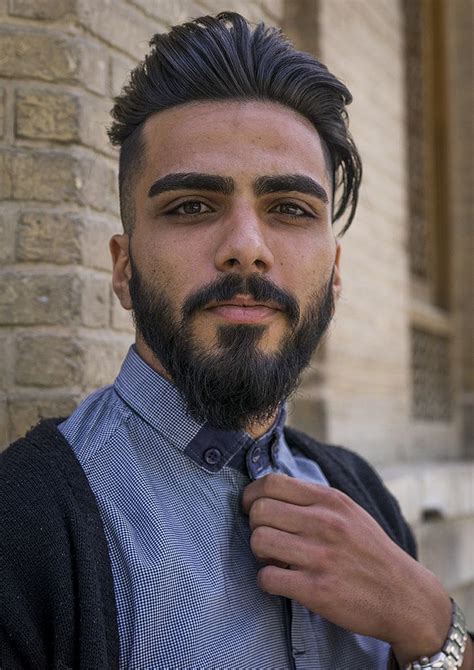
(169,494)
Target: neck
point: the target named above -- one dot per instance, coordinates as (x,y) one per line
(149,357)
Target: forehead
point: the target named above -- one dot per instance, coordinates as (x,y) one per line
(232,138)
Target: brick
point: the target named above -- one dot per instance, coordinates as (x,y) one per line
(47,360)
(2,112)
(41,9)
(103,357)
(43,299)
(120,68)
(170,12)
(98,185)
(25,411)
(96,234)
(93,66)
(51,238)
(47,115)
(46,176)
(39,55)
(53,57)
(58,177)
(95,301)
(94,119)
(7,238)
(117,23)
(6,359)
(6,182)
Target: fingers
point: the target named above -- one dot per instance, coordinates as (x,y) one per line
(286,489)
(287,583)
(284,516)
(271,544)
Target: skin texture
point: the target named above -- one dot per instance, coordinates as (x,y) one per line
(320,548)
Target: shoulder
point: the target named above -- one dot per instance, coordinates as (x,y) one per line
(94,422)
(39,473)
(351,473)
(48,511)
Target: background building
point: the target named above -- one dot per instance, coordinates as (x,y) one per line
(395,378)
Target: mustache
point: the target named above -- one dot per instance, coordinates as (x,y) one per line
(230,285)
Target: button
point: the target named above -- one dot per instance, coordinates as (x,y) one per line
(298,652)
(257,452)
(212,456)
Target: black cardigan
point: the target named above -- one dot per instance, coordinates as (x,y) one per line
(57,606)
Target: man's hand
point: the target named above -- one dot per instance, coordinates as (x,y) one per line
(326,552)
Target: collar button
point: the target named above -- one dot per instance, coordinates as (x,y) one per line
(257,452)
(212,456)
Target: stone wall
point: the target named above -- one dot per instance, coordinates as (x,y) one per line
(460,75)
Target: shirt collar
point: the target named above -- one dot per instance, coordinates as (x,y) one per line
(158,402)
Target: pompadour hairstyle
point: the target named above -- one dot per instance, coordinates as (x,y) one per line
(224,57)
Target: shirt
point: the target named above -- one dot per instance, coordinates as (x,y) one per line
(169,494)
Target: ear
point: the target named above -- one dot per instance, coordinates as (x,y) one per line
(337,281)
(121,273)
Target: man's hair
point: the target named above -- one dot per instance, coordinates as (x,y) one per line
(223,57)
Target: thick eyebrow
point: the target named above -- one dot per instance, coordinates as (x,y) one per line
(290,182)
(177,181)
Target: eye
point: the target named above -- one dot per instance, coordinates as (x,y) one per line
(190,208)
(291,209)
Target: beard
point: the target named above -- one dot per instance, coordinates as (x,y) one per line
(232,384)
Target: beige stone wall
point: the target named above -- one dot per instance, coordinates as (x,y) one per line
(461,99)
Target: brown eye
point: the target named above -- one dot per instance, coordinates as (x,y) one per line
(292,209)
(190,208)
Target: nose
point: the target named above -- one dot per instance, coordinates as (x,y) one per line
(243,247)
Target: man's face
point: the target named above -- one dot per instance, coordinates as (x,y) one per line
(233,258)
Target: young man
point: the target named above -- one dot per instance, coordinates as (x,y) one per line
(173,521)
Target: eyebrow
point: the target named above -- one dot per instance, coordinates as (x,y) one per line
(178,181)
(290,182)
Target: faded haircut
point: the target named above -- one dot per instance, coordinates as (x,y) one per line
(224,57)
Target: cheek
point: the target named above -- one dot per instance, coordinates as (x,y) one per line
(177,275)
(307,268)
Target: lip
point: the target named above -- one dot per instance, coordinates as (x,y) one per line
(243,301)
(242,309)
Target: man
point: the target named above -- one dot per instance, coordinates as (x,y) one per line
(172,521)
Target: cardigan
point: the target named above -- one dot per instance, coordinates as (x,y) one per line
(57,606)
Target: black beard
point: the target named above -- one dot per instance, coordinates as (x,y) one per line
(236,384)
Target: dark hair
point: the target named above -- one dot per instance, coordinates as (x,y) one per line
(224,58)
